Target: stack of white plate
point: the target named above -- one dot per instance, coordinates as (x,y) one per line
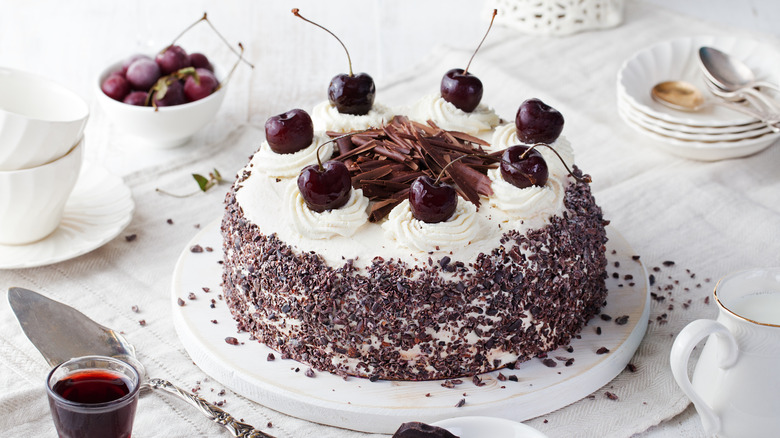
(713,133)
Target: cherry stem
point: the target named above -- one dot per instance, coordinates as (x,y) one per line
(349,134)
(450,164)
(495,11)
(230,46)
(295,12)
(586,178)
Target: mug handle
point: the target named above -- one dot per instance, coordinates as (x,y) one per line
(691,335)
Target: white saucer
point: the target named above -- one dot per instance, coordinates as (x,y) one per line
(99,208)
(482,427)
(702,151)
(678,59)
(382,406)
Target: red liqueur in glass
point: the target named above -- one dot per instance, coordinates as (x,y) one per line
(94,402)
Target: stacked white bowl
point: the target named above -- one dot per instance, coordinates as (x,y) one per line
(713,133)
(41,150)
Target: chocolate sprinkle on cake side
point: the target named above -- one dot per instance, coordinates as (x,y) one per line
(443,319)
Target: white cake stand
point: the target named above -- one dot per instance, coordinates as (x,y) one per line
(381,406)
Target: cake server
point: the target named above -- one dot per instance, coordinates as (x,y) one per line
(61,332)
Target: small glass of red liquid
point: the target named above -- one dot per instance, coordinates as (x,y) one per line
(93,396)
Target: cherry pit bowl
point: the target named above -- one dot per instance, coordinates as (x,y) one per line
(163,127)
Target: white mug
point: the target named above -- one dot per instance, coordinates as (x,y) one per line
(736,383)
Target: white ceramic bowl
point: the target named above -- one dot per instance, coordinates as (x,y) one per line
(40,120)
(484,427)
(167,127)
(32,200)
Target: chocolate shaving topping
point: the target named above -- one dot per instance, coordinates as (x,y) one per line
(385,162)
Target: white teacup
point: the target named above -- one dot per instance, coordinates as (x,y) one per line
(736,383)
(32,200)
(40,120)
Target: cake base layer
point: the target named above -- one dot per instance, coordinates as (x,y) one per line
(436,319)
(531,390)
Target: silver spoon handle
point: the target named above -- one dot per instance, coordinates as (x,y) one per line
(236,428)
(771,123)
(770,104)
(766,84)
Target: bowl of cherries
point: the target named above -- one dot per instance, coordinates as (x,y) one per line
(164,98)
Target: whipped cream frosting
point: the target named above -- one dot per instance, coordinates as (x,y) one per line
(343,221)
(459,231)
(506,135)
(527,203)
(327,118)
(290,165)
(448,116)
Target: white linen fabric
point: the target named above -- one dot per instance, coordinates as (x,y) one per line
(709,218)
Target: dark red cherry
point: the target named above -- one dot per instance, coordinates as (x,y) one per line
(170,94)
(530,170)
(415,429)
(352,94)
(142,74)
(137,98)
(462,90)
(289,132)
(174,58)
(199,60)
(432,202)
(349,93)
(116,86)
(538,122)
(325,188)
(129,60)
(203,86)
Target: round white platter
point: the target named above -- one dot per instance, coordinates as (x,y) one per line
(381,406)
(99,208)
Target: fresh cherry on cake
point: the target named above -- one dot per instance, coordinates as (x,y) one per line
(538,122)
(430,201)
(349,93)
(325,186)
(352,94)
(461,88)
(289,132)
(523,166)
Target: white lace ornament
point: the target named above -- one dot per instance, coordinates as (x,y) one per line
(557,17)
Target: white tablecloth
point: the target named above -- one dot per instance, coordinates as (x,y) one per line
(709,218)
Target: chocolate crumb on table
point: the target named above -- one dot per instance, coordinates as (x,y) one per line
(611,395)
(602,350)
(460,403)
(231,340)
(180,302)
(131,237)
